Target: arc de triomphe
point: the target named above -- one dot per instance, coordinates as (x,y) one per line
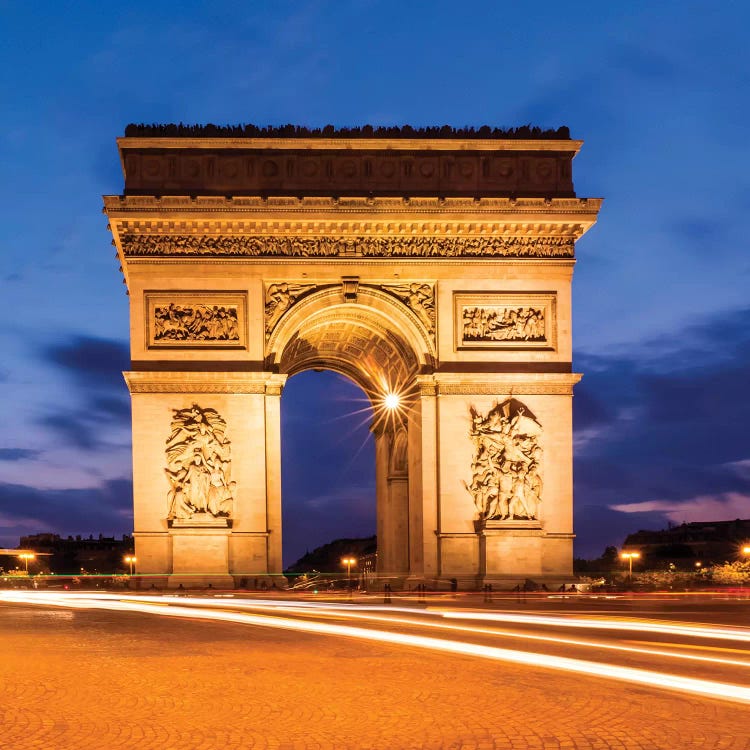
(432,268)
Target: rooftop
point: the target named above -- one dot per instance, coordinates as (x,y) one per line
(180,130)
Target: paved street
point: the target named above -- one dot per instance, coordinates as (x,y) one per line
(113,678)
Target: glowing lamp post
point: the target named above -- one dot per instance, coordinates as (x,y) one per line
(630,556)
(130,560)
(746,550)
(349,561)
(26,556)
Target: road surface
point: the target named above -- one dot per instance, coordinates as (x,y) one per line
(94,670)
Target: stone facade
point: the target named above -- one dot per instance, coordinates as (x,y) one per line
(451,289)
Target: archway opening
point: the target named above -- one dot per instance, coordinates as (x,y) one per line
(327,463)
(362,344)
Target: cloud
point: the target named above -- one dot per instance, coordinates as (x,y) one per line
(660,430)
(644,63)
(722,507)
(26,510)
(99,407)
(90,361)
(17,454)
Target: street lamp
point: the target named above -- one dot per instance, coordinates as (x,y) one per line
(26,556)
(630,556)
(349,561)
(746,550)
(130,560)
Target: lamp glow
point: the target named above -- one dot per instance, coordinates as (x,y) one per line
(392,401)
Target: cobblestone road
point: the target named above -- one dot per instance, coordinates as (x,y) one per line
(93,681)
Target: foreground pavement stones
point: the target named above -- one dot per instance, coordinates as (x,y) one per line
(94,680)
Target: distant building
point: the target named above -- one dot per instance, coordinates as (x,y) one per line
(101,555)
(701,541)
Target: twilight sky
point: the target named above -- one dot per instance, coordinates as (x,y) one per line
(659,92)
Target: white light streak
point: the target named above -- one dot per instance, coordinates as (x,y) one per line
(641,626)
(156,606)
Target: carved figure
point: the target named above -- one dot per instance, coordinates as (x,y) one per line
(505,482)
(196,323)
(419,297)
(503,324)
(279,298)
(198,465)
(135,245)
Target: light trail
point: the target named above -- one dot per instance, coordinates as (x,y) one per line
(624,624)
(708,688)
(641,626)
(550,638)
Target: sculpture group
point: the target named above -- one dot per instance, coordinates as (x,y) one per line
(506,484)
(198,465)
(504,324)
(197,322)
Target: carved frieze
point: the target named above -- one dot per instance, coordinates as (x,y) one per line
(145,245)
(506,484)
(195,320)
(419,297)
(504,324)
(279,298)
(201,490)
(500,320)
(199,322)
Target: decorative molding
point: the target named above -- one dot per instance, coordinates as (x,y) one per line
(188,382)
(427,388)
(279,298)
(506,485)
(130,212)
(138,245)
(195,320)
(180,387)
(199,464)
(350,288)
(505,320)
(497,389)
(419,297)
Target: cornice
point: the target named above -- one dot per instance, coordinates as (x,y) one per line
(122,205)
(502,385)
(304,262)
(351,144)
(202,382)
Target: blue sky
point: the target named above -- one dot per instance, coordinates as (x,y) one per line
(659,92)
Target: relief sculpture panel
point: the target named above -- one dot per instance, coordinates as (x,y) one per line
(419,297)
(201,490)
(195,320)
(506,484)
(279,298)
(505,321)
(145,245)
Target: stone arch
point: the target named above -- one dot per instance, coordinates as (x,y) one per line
(382,346)
(377,340)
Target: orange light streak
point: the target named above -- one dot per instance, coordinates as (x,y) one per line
(691,685)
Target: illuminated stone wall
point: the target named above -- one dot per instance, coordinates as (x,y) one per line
(459,300)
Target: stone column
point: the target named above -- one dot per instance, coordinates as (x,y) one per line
(385,564)
(423,484)
(273,472)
